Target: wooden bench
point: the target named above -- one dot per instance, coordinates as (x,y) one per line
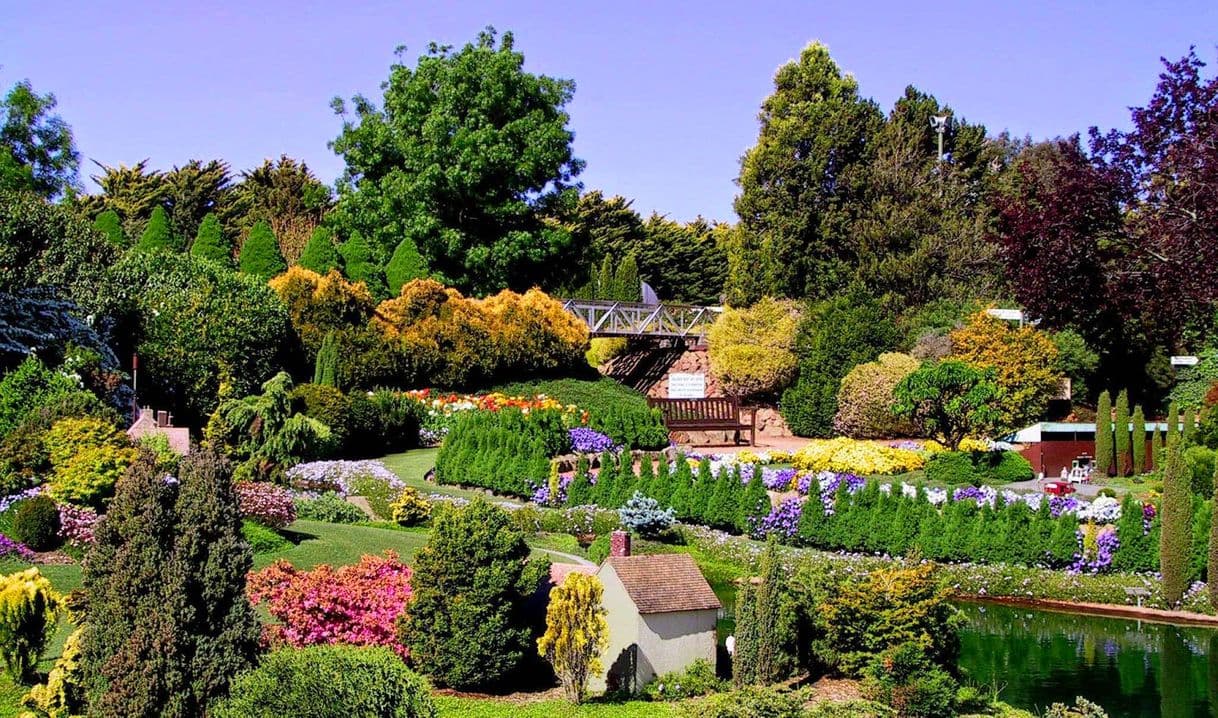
(716,414)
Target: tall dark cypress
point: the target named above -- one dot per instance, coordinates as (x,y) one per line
(1176,534)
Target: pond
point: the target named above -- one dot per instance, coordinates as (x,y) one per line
(1133,669)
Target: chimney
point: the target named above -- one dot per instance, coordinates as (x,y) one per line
(162,418)
(619,543)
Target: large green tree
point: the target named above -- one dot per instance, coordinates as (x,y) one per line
(465,152)
(320,254)
(809,164)
(286,195)
(260,255)
(1176,537)
(37,152)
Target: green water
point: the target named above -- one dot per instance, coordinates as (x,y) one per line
(1132,669)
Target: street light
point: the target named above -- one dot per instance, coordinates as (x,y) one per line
(939,124)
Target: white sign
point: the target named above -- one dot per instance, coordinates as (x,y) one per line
(1184,361)
(686,386)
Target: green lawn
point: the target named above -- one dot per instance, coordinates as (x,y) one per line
(316,542)
(452,707)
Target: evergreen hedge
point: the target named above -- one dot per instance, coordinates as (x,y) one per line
(1103,435)
(505,451)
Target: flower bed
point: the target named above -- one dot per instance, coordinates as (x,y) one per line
(857,457)
(340,476)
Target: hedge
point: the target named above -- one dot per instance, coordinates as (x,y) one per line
(506,451)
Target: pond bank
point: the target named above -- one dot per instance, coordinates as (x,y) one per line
(1110,610)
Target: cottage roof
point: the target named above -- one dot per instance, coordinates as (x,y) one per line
(559,571)
(664,583)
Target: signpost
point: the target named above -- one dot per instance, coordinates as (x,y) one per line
(686,386)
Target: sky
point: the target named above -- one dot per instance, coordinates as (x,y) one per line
(667,93)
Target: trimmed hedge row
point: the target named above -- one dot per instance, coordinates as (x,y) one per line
(506,451)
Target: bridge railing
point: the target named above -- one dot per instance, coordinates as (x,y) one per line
(632,319)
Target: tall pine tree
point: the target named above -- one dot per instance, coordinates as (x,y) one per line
(1139,441)
(405,265)
(761,628)
(360,266)
(1173,424)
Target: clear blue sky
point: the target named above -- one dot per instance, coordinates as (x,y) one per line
(667,93)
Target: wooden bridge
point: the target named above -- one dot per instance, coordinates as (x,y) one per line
(630,319)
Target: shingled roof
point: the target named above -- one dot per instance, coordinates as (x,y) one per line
(664,583)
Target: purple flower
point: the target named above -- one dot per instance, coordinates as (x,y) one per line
(777,479)
(338,476)
(1059,505)
(783,520)
(76,524)
(9,547)
(6,502)
(1106,544)
(587,441)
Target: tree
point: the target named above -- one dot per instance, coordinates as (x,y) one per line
(1024,361)
(627,280)
(1173,424)
(325,367)
(37,152)
(752,351)
(111,227)
(360,266)
(834,336)
(1188,431)
(210,242)
(131,192)
(760,659)
(47,245)
(467,149)
(405,265)
(1139,441)
(1176,533)
(467,626)
(950,400)
(809,162)
(260,255)
(167,622)
(576,632)
(319,254)
(158,235)
(1211,571)
(195,190)
(1121,426)
(29,609)
(286,195)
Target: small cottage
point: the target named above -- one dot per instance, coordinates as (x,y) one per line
(661,614)
(161,422)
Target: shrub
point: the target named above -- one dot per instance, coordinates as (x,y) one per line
(1010,467)
(643,516)
(28,387)
(157,234)
(506,451)
(856,457)
(29,608)
(698,679)
(319,254)
(87,456)
(576,632)
(602,349)
(357,605)
(405,265)
(1199,463)
(750,702)
(210,242)
(599,549)
(262,539)
(331,508)
(259,255)
(865,399)
(467,626)
(752,350)
(63,695)
(265,503)
(328,682)
(379,494)
(411,509)
(340,476)
(398,419)
(76,525)
(631,428)
(36,523)
(950,400)
(903,678)
(1081,708)
(1024,360)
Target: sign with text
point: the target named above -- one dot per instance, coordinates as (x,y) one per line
(686,386)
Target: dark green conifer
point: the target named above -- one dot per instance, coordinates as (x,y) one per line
(1175,536)
(260,255)
(1103,435)
(1138,441)
(360,266)
(405,265)
(320,255)
(157,234)
(754,503)
(111,227)
(210,242)
(1124,458)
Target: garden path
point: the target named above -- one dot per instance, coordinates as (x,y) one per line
(566,557)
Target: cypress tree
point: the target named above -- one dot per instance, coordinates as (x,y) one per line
(579,491)
(605,288)
(260,255)
(210,242)
(661,488)
(701,497)
(405,265)
(1189,430)
(812,522)
(683,488)
(1103,435)
(325,367)
(606,481)
(1156,448)
(1176,532)
(761,661)
(1063,543)
(627,483)
(718,512)
(1123,458)
(647,475)
(1139,441)
(626,280)
(360,266)
(1199,539)
(157,235)
(167,644)
(319,253)
(1212,565)
(111,227)
(754,505)
(1173,424)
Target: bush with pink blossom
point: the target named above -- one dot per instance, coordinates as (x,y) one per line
(357,605)
(268,504)
(76,525)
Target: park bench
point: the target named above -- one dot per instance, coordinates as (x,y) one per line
(715,414)
(1137,592)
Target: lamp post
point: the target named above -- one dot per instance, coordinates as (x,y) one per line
(939,124)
